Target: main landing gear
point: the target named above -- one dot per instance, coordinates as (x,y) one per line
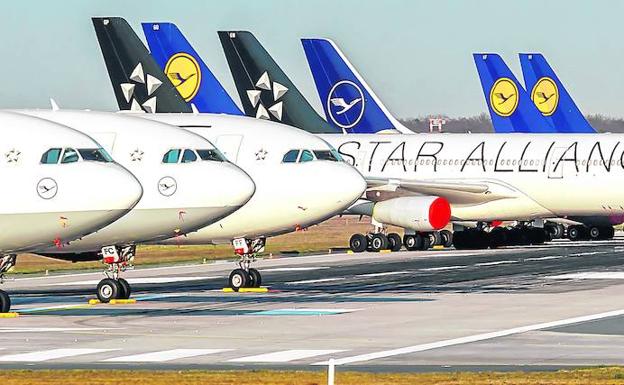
(6,263)
(118,260)
(592,233)
(245,276)
(380,239)
(479,238)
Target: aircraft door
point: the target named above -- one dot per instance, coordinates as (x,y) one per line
(229,145)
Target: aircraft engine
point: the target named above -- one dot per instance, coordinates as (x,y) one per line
(418,213)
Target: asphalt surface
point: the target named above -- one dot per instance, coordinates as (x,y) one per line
(524,308)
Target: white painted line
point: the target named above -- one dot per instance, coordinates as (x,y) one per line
(285,355)
(147,280)
(444,268)
(46,355)
(315,281)
(48,330)
(384,274)
(589,253)
(495,263)
(590,275)
(165,355)
(473,338)
(278,269)
(545,258)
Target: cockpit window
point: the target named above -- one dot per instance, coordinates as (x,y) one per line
(95,155)
(52,156)
(172,156)
(306,156)
(291,156)
(211,154)
(70,156)
(189,156)
(326,155)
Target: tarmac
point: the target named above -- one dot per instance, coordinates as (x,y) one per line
(523,308)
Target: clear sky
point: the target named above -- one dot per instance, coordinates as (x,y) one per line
(416,55)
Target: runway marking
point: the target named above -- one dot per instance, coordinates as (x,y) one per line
(46,355)
(48,330)
(496,263)
(384,274)
(444,268)
(286,312)
(54,307)
(545,258)
(315,281)
(279,269)
(590,275)
(589,253)
(135,281)
(473,338)
(165,355)
(285,355)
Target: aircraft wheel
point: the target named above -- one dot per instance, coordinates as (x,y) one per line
(126,290)
(394,242)
(378,242)
(499,237)
(5,302)
(255,278)
(425,243)
(574,233)
(412,242)
(358,243)
(108,289)
(447,238)
(435,238)
(239,278)
(595,233)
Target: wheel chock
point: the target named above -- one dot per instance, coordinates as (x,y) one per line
(438,247)
(385,251)
(93,301)
(122,301)
(247,290)
(350,252)
(9,315)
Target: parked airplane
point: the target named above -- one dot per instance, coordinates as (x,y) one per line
(59,185)
(543,109)
(187,185)
(486,178)
(299,178)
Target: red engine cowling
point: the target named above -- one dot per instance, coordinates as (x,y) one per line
(418,213)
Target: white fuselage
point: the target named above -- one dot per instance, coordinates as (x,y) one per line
(288,196)
(527,176)
(179,197)
(43,205)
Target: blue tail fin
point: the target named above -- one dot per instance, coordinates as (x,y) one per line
(187,71)
(349,103)
(509,104)
(550,96)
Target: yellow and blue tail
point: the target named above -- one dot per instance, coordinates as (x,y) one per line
(550,96)
(348,102)
(186,70)
(509,104)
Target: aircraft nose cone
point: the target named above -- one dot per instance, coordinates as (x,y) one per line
(349,184)
(237,187)
(123,189)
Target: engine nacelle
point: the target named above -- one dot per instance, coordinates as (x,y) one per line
(418,213)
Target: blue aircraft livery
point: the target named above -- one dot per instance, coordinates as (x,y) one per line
(510,107)
(186,70)
(349,104)
(550,96)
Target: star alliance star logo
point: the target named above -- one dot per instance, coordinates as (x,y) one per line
(276,89)
(12,156)
(139,78)
(136,155)
(261,154)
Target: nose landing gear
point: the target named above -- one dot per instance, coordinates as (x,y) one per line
(246,276)
(6,263)
(118,260)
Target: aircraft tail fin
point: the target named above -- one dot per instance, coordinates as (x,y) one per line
(509,104)
(550,96)
(186,70)
(349,103)
(138,82)
(264,89)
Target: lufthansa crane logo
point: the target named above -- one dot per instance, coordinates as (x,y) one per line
(504,97)
(183,71)
(47,188)
(345,104)
(167,186)
(545,95)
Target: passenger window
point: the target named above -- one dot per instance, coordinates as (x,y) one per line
(70,156)
(189,156)
(51,156)
(291,156)
(306,156)
(171,156)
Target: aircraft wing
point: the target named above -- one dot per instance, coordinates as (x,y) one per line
(455,191)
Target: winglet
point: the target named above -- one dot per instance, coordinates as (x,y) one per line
(55,107)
